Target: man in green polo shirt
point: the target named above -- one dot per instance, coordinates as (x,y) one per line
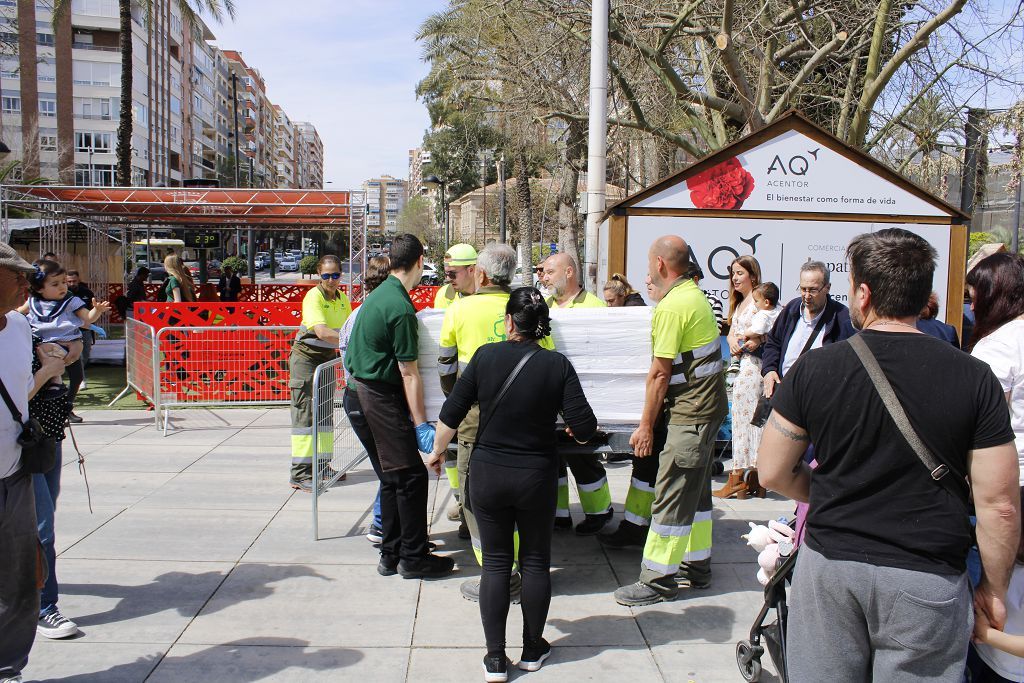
(381,357)
(561,277)
(686,384)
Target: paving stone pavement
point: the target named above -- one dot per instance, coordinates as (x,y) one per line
(197,564)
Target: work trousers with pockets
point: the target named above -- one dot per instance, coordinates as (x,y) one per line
(505,499)
(680,533)
(591,484)
(19,591)
(302,365)
(853,621)
(640,495)
(404,483)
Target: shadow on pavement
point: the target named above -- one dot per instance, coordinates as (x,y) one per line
(167,590)
(239,661)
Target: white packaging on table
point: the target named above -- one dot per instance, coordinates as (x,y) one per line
(609,347)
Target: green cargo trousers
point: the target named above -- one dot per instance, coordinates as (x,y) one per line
(302,365)
(680,530)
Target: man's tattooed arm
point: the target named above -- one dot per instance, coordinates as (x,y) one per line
(788,433)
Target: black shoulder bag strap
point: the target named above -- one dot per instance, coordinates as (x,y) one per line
(817,330)
(936,468)
(504,390)
(15,413)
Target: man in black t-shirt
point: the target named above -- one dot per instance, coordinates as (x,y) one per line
(880,590)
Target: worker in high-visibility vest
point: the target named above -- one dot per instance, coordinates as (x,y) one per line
(561,277)
(459,265)
(469,323)
(686,390)
(325,308)
(460,271)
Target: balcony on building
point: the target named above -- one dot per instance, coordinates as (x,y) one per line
(96,40)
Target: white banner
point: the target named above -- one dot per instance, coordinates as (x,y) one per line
(780,247)
(792,172)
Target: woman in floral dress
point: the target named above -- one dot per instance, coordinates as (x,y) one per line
(745,275)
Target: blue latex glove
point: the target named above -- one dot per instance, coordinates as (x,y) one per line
(425,437)
(99,331)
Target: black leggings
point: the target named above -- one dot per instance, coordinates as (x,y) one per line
(503,499)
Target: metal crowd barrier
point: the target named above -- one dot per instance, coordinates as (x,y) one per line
(336,449)
(184,367)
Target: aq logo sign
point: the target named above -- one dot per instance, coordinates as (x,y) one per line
(797,164)
(721,256)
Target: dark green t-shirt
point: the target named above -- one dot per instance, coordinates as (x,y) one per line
(385,332)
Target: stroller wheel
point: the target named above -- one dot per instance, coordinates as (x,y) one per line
(748,659)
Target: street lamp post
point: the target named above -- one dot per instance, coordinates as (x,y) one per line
(502,230)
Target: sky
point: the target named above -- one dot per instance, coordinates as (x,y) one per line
(348,66)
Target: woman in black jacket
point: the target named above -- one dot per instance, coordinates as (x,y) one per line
(513,471)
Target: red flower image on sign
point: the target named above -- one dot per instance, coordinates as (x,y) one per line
(724,186)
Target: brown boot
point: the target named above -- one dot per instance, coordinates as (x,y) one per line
(735,487)
(754,488)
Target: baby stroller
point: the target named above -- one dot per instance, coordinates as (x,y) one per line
(773,635)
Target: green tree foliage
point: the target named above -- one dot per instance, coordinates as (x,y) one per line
(238,264)
(307,266)
(417,217)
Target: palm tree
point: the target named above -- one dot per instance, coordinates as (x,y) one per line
(190,19)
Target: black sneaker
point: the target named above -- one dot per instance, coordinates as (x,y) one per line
(305,484)
(496,668)
(563,523)
(464,532)
(75,419)
(593,523)
(628,535)
(427,567)
(387,567)
(375,534)
(55,625)
(534,655)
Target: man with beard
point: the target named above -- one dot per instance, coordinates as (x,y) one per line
(907,430)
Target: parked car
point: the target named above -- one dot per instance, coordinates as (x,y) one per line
(212,269)
(157,272)
(431,278)
(263,258)
(288,263)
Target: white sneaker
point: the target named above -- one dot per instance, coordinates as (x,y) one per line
(16,678)
(56,626)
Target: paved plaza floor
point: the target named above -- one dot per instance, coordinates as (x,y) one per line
(197,564)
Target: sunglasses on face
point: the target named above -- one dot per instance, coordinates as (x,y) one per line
(450,274)
(330,276)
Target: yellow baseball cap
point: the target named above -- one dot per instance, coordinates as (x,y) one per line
(460,255)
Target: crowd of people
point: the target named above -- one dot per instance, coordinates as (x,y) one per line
(904,454)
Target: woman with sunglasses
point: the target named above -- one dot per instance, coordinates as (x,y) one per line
(325,308)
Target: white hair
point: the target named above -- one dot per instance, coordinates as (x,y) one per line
(499,262)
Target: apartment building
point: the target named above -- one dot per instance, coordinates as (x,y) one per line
(417,158)
(385,197)
(310,154)
(285,169)
(61,99)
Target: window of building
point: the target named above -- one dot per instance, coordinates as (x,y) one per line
(141,113)
(96,73)
(11,104)
(175,105)
(100,143)
(47,107)
(46,70)
(102,108)
(94,174)
(95,8)
(45,39)
(48,143)
(9,69)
